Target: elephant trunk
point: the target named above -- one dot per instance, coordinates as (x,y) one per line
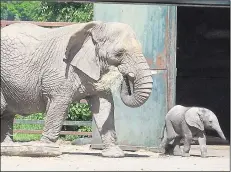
(136,90)
(219,131)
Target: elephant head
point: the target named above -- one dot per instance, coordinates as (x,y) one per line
(96,45)
(202,118)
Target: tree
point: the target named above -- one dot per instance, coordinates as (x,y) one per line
(23,10)
(46,11)
(69,12)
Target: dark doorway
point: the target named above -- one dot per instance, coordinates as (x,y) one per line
(203,61)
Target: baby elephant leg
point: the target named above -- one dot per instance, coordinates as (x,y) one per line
(187,140)
(187,145)
(163,143)
(171,134)
(176,148)
(202,143)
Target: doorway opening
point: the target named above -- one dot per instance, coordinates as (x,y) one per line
(203,62)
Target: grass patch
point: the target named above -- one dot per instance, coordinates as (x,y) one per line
(20,137)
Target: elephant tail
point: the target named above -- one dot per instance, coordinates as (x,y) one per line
(162,132)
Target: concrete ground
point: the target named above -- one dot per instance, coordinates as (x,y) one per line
(82,158)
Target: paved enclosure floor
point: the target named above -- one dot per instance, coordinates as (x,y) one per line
(79,158)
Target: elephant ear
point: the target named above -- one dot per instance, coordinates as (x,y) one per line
(193,119)
(80,51)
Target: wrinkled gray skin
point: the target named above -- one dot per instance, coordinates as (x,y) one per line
(188,123)
(44,70)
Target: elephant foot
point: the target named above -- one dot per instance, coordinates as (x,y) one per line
(177,153)
(7,140)
(44,139)
(169,149)
(113,152)
(161,150)
(204,155)
(184,154)
(204,152)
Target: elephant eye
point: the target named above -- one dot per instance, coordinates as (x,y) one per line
(120,52)
(210,122)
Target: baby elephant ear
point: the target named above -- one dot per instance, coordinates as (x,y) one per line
(193,119)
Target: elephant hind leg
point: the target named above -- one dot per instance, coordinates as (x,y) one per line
(3,104)
(164,143)
(56,112)
(171,134)
(176,149)
(7,120)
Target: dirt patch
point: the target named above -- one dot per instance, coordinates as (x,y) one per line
(83,158)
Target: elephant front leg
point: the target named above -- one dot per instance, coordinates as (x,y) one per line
(55,116)
(187,145)
(187,136)
(202,143)
(102,107)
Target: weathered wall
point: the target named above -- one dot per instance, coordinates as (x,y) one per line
(142,126)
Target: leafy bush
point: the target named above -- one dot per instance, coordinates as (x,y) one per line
(79,112)
(65,11)
(24,10)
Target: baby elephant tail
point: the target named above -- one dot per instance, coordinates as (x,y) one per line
(162,132)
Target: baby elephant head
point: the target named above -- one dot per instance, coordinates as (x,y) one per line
(203,118)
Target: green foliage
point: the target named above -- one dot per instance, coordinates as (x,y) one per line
(79,112)
(68,12)
(16,10)
(46,11)
(36,116)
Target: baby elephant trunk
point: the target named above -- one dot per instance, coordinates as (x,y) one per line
(219,131)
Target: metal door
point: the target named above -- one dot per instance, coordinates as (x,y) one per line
(155,28)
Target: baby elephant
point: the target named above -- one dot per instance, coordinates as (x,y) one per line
(188,123)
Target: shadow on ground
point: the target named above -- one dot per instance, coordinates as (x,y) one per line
(191,155)
(99,154)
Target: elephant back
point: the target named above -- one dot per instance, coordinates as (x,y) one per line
(55,42)
(25,36)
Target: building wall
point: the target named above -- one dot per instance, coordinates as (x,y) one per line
(142,126)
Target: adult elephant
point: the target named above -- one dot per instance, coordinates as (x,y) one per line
(44,70)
